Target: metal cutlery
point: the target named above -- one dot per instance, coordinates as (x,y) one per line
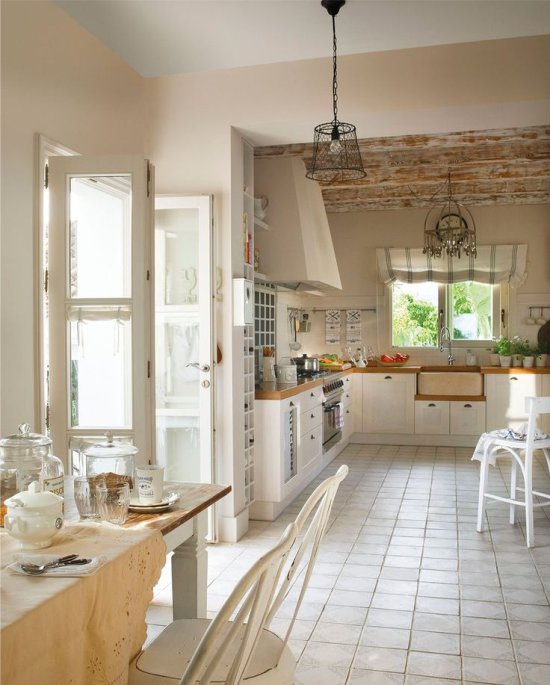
(39,569)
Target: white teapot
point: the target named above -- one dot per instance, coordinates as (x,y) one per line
(34,517)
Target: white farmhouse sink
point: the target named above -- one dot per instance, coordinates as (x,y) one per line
(450,383)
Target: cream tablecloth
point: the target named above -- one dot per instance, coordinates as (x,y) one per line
(79,631)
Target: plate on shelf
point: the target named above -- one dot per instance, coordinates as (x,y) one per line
(170,499)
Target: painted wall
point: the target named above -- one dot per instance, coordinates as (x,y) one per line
(57,80)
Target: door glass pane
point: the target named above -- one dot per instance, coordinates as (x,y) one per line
(100,367)
(177,242)
(100,236)
(471,310)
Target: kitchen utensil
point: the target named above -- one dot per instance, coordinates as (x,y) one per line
(167,501)
(305,363)
(293,326)
(34,517)
(60,560)
(85,497)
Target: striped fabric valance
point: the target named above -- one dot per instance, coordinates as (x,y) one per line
(493,264)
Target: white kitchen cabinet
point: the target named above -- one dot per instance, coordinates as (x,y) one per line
(388,403)
(506,395)
(288,449)
(467,418)
(545,392)
(431,418)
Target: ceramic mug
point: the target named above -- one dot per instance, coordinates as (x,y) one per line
(150,483)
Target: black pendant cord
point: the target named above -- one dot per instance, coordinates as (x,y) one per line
(334,72)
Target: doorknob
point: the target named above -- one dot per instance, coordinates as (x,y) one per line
(200,367)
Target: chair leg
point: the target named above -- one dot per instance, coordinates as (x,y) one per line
(483,472)
(529,505)
(513,484)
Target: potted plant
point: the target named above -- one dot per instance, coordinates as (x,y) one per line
(541,354)
(494,356)
(503,346)
(529,356)
(518,348)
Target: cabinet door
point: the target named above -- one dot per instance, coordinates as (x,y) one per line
(467,418)
(431,418)
(388,403)
(545,392)
(506,395)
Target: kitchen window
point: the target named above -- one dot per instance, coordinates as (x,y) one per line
(469,309)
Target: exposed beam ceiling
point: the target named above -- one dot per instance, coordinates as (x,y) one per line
(500,166)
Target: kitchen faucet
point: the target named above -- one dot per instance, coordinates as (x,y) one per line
(445,337)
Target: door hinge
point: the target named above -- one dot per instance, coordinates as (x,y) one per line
(46,279)
(46,175)
(148,369)
(47,418)
(148,179)
(148,275)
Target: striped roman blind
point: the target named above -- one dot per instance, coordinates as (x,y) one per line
(494,264)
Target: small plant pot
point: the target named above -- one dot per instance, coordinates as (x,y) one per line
(528,362)
(505,360)
(517,359)
(495,359)
(541,360)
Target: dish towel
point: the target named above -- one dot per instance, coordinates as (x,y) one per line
(486,440)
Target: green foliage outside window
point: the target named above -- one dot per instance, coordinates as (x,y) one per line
(414,321)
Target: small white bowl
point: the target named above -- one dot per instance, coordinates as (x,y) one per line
(34,517)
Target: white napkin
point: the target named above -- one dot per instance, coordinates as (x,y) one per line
(61,571)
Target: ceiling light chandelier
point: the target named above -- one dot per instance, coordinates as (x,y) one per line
(336,155)
(449,226)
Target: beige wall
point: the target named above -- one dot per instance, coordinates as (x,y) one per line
(58,81)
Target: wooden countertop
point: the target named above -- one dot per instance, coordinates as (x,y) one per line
(514,370)
(280,391)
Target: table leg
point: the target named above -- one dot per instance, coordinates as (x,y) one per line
(190,573)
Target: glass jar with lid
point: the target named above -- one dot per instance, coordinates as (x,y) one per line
(25,457)
(112,459)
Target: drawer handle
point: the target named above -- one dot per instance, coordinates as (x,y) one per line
(312,394)
(347,396)
(347,411)
(514,378)
(312,416)
(312,437)
(431,404)
(388,378)
(467,406)
(291,404)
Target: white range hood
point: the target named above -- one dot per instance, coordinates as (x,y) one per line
(297,251)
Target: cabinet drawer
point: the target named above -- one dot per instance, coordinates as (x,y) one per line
(310,419)
(467,418)
(347,397)
(431,418)
(311,447)
(310,398)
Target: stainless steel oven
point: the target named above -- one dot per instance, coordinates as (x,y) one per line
(333,411)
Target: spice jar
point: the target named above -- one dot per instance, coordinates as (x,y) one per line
(111,460)
(25,457)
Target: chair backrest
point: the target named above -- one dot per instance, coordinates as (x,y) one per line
(316,511)
(251,600)
(535,406)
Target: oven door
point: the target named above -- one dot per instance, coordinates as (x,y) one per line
(333,422)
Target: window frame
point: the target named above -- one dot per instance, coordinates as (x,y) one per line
(500,306)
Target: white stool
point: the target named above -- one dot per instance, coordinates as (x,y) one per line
(493,444)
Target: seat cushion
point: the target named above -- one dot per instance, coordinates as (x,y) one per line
(170,653)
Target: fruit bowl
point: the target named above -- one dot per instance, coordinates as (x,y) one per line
(394,363)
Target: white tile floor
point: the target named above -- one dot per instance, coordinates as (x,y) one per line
(405,591)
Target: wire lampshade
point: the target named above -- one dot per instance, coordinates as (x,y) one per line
(449,227)
(336,155)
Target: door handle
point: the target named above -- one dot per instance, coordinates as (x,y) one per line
(199,366)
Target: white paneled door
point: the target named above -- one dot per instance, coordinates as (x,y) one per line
(100,288)
(184,358)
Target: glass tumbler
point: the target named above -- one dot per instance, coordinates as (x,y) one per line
(113,502)
(85,497)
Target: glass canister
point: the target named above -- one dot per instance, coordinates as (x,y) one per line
(25,457)
(112,459)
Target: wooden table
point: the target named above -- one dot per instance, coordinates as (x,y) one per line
(86,630)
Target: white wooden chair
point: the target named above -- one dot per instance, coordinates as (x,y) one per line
(522,457)
(242,649)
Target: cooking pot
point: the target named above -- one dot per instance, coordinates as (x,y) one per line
(305,363)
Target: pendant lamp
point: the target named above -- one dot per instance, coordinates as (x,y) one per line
(336,155)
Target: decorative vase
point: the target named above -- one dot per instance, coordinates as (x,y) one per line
(517,359)
(541,359)
(528,362)
(495,359)
(505,360)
